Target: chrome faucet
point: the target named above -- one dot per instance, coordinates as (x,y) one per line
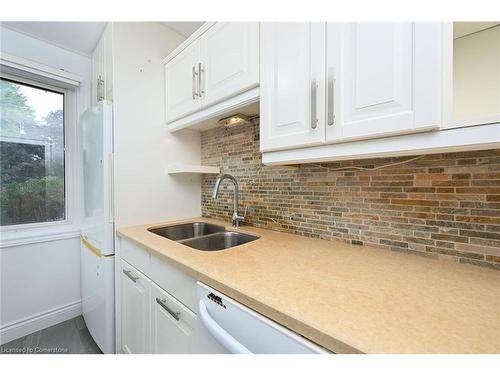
(236,218)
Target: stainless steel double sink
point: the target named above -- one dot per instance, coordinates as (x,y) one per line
(203,236)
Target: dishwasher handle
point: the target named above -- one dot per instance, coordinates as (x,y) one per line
(219,333)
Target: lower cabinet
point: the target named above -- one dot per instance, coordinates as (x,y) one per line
(135,310)
(152,320)
(172,324)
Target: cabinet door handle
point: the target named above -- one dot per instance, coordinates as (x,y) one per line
(314,100)
(98,89)
(331,97)
(130,276)
(200,72)
(102,89)
(193,73)
(175,314)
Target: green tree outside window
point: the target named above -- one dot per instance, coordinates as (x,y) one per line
(32,157)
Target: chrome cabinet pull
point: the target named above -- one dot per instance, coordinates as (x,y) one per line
(100,89)
(331,96)
(200,72)
(130,276)
(194,74)
(314,99)
(175,314)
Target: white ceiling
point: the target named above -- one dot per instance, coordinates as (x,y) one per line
(81,37)
(461,29)
(184,28)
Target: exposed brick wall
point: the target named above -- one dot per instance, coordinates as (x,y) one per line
(443,206)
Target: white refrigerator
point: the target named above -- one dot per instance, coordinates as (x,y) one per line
(97,236)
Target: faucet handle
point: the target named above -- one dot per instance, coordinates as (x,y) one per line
(236,219)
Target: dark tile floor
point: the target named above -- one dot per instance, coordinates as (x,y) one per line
(69,337)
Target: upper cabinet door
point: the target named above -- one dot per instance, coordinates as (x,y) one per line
(472,82)
(292,88)
(108,62)
(102,67)
(182,83)
(98,72)
(382,79)
(229,60)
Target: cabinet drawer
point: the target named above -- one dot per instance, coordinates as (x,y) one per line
(173,325)
(135,255)
(175,282)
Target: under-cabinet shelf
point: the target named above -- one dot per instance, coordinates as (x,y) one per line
(192,168)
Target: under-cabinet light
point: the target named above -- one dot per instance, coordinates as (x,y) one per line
(237,119)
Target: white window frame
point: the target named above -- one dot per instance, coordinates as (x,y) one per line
(37,230)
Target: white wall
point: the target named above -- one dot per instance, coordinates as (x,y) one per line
(22,45)
(144,193)
(476,75)
(39,286)
(40,281)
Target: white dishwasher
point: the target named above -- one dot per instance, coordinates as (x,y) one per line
(226,326)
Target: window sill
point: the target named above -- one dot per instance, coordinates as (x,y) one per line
(26,236)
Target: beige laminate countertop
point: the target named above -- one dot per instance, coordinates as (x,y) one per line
(348,298)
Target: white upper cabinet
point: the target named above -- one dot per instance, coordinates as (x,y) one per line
(383,89)
(135,310)
(102,67)
(292,104)
(108,66)
(229,60)
(472,86)
(182,82)
(173,326)
(98,72)
(383,79)
(211,72)
(337,82)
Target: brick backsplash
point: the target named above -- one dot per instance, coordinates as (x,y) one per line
(443,206)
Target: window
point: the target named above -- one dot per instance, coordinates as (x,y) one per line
(32,153)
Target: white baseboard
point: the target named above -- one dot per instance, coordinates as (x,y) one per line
(36,322)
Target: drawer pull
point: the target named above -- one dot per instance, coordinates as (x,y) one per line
(175,314)
(130,276)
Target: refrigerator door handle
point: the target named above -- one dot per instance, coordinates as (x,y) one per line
(110,188)
(219,333)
